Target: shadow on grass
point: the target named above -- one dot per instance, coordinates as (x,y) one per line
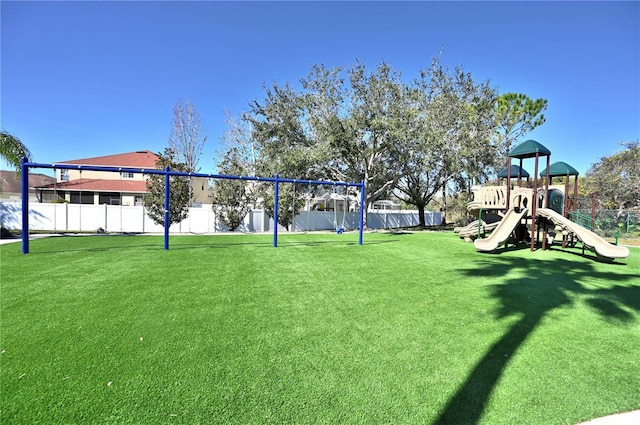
(103,243)
(572,250)
(545,285)
(333,242)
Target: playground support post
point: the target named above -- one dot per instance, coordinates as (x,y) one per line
(545,203)
(534,207)
(25,205)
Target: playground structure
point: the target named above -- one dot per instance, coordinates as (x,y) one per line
(521,212)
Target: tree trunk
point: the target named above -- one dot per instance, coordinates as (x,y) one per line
(421,215)
(444,205)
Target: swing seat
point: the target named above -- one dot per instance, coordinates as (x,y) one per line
(339,230)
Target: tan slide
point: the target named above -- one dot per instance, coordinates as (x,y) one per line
(502,232)
(470,232)
(586,236)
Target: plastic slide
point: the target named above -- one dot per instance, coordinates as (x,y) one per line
(468,226)
(502,232)
(470,231)
(586,236)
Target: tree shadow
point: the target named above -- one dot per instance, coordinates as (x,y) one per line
(11,216)
(543,286)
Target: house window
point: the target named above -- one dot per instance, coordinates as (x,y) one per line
(64,175)
(127,175)
(109,198)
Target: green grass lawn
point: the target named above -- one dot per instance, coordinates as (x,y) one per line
(408,328)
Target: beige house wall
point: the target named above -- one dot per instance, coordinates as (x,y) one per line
(102,175)
(200,190)
(199,185)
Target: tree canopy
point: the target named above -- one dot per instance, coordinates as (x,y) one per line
(449,135)
(516,115)
(186,139)
(615,179)
(408,139)
(232,199)
(13,150)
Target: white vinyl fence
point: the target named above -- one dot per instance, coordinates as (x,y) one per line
(134,219)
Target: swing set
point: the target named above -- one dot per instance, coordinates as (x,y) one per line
(340,228)
(168,173)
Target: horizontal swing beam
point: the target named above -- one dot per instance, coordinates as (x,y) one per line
(167,172)
(185,174)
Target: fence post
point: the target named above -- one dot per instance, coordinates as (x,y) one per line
(628,224)
(593,212)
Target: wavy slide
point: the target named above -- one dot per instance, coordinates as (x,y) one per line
(502,232)
(586,236)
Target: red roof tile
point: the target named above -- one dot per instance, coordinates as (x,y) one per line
(138,159)
(97,185)
(11,183)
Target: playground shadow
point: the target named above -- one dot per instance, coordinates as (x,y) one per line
(543,286)
(577,251)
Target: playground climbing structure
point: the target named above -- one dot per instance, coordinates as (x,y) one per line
(534,213)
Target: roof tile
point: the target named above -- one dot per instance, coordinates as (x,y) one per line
(137,159)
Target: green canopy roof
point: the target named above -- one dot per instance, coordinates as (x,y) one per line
(529,149)
(516,171)
(560,169)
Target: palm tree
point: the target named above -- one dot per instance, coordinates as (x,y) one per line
(13,150)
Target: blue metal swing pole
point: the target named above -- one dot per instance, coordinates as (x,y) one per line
(362,194)
(25,205)
(275,213)
(166,207)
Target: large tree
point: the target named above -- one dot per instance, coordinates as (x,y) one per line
(279,129)
(239,138)
(285,145)
(359,125)
(372,126)
(13,150)
(450,137)
(187,139)
(178,191)
(380,115)
(516,115)
(615,179)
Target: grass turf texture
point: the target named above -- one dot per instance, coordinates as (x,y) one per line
(408,328)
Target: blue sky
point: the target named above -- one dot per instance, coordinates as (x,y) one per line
(83,79)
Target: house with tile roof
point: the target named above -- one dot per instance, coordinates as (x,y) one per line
(111,188)
(11,185)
